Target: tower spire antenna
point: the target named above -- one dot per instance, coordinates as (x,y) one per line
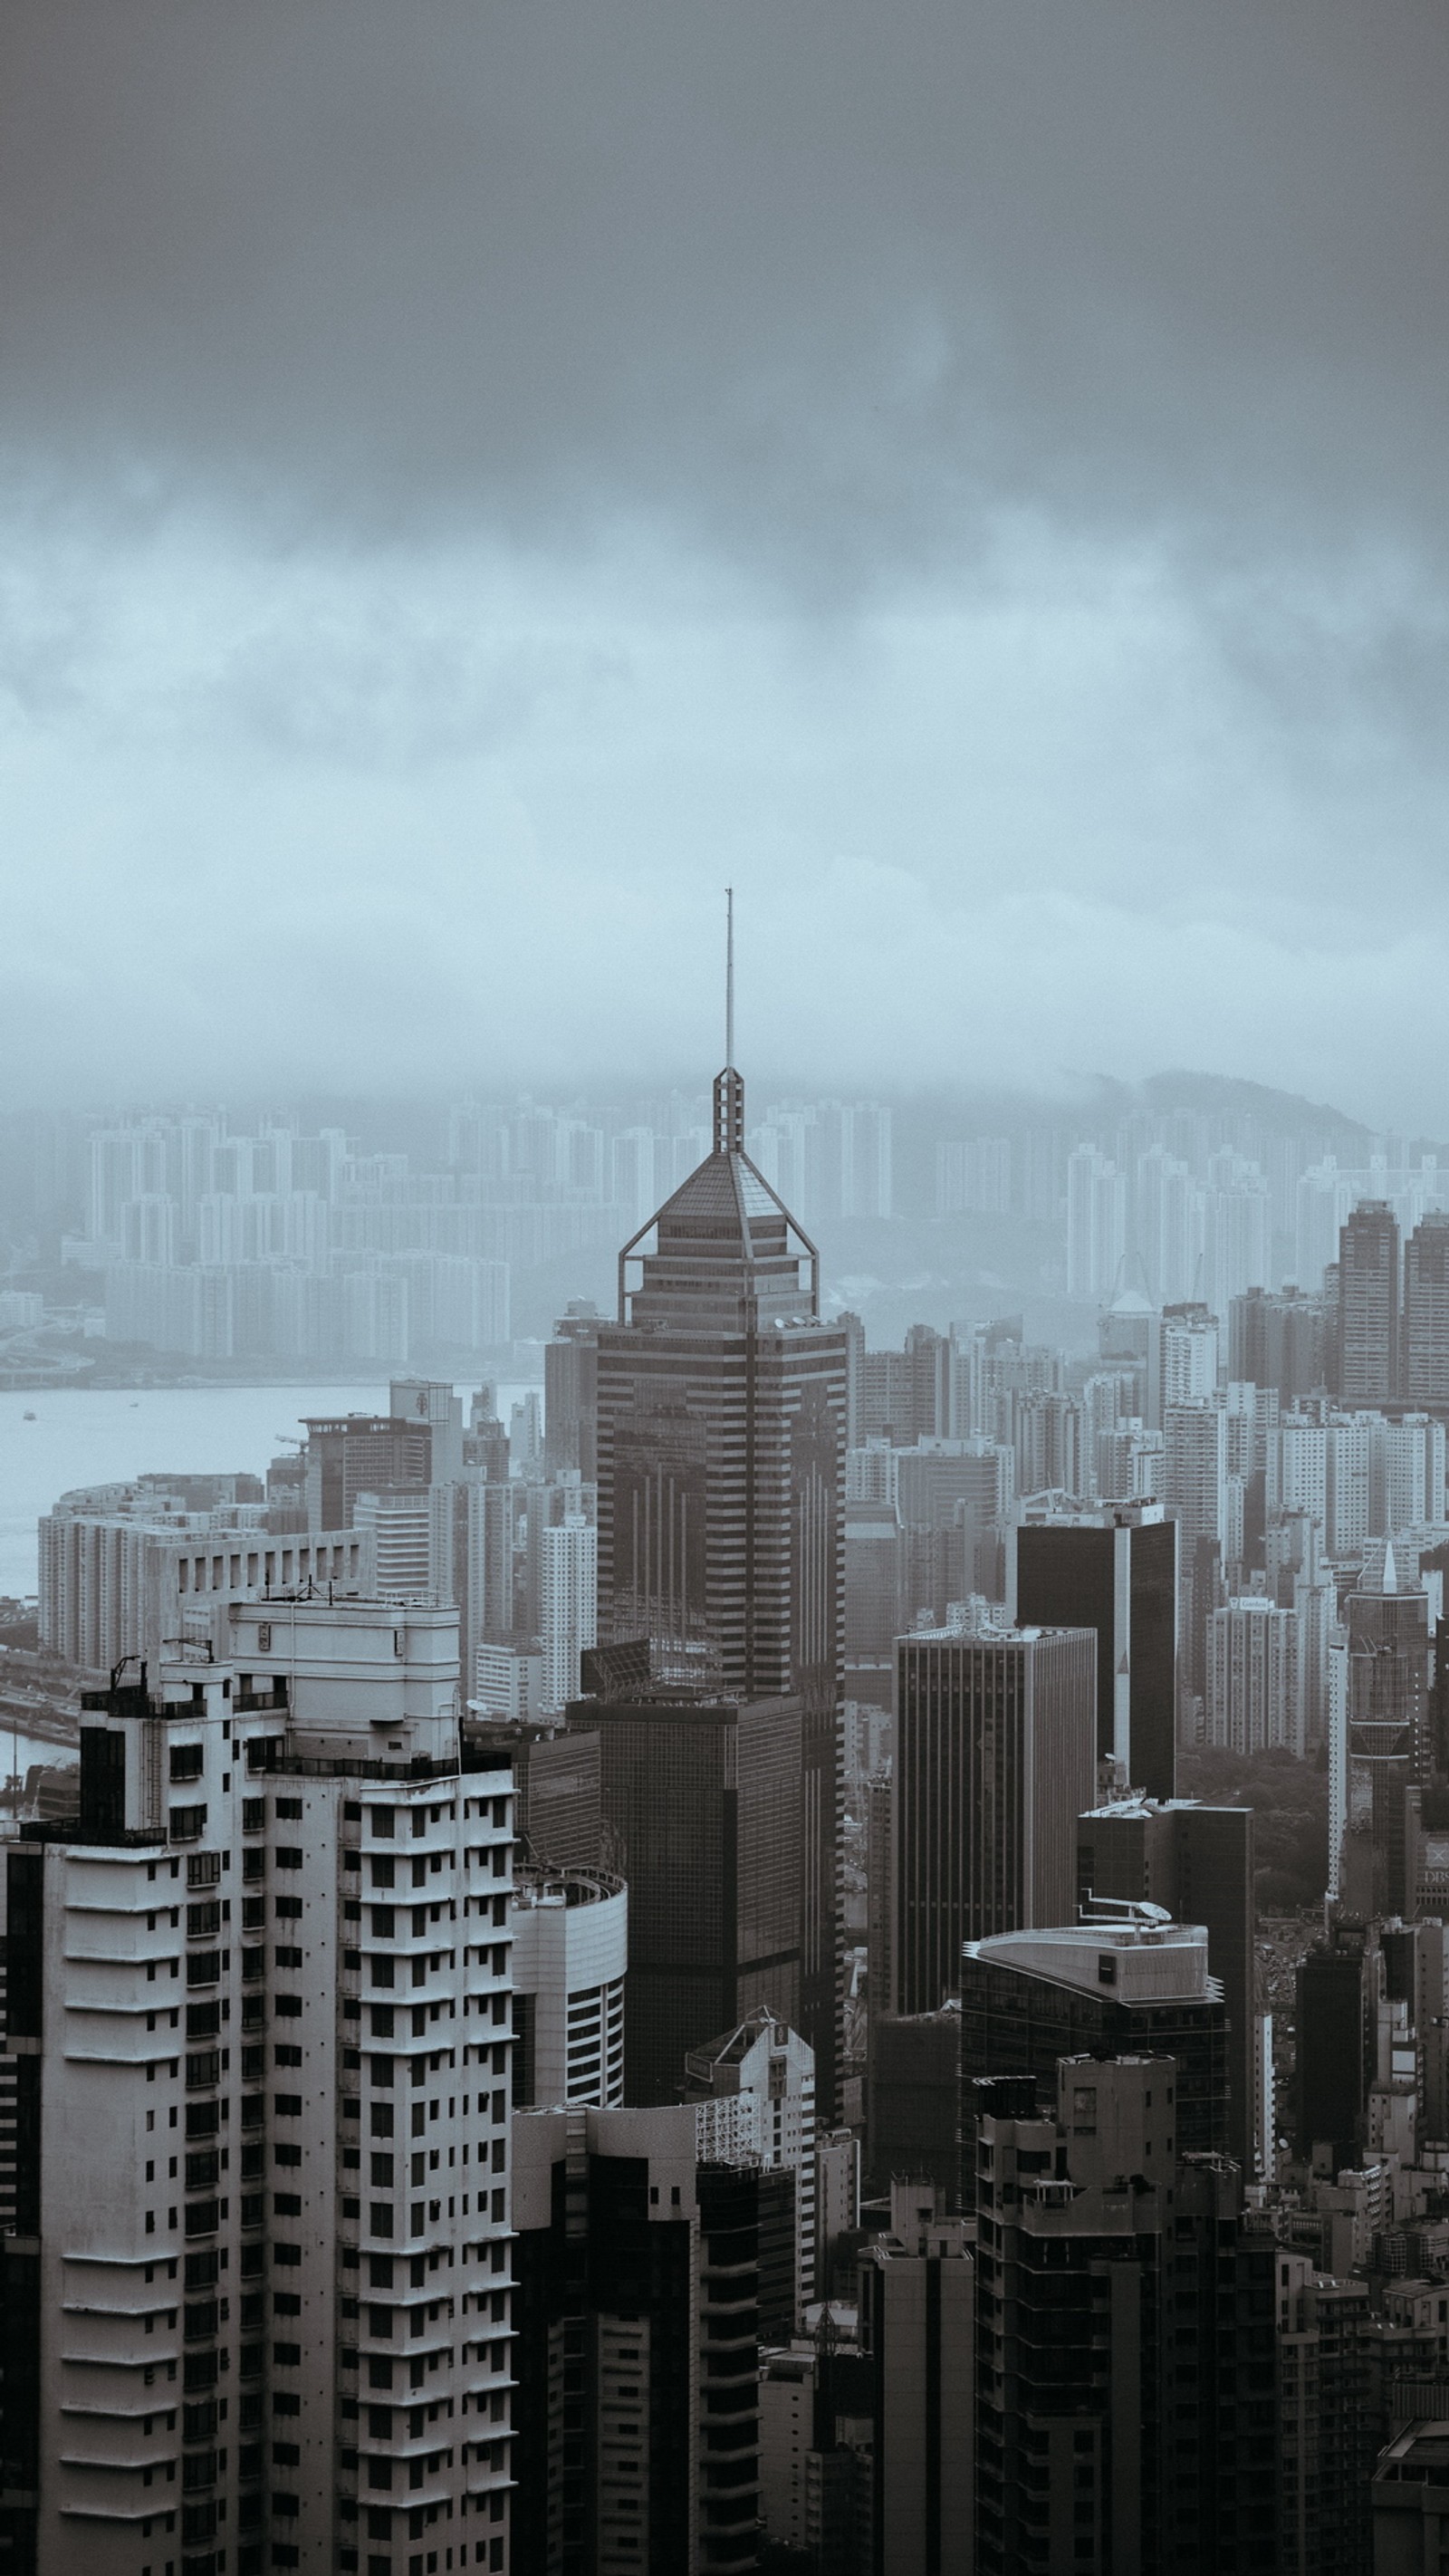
(729,979)
(729,1091)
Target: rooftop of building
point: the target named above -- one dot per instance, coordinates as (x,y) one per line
(1067,1511)
(727,1254)
(1417,2456)
(985,1632)
(1137,1802)
(1135,1955)
(537,1885)
(734,2045)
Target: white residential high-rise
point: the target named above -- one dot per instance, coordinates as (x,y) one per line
(508,1681)
(1409,1479)
(1194,1472)
(753,2091)
(1303,1467)
(259,1998)
(125,1163)
(149,1232)
(396,1529)
(569,1604)
(1252,1673)
(525,1436)
(1189,1373)
(570,1952)
(1167,1226)
(1096,1223)
(1350,1449)
(129,1569)
(1237,1230)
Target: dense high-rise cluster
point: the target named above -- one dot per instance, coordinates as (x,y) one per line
(711,1975)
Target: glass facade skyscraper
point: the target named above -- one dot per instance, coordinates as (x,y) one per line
(1114,1570)
(721,1446)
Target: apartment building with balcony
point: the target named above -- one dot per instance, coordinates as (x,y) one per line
(259,2009)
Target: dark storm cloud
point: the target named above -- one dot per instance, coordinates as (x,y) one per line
(819,282)
(475,478)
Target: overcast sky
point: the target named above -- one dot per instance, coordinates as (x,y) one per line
(473,478)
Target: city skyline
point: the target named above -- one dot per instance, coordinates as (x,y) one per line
(724,1838)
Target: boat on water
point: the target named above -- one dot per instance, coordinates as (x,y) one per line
(27,1417)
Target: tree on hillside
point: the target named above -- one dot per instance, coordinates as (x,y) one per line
(1289,1800)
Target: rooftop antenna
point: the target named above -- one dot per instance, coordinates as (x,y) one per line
(729,1091)
(729,978)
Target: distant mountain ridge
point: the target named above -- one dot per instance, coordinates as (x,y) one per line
(1100,1102)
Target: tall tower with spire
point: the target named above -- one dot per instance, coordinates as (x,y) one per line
(721,1432)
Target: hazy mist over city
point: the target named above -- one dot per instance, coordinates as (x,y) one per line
(724,1287)
(472,481)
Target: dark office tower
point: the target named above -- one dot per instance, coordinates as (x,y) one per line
(994,1742)
(638,2294)
(701,1803)
(917,2319)
(913,2101)
(1388,1723)
(571,1392)
(1114,1571)
(1197,1863)
(1278,1341)
(1333,2048)
(1368,1306)
(874,1615)
(1426,1314)
(1125,2363)
(740,2207)
(854,1330)
(484,1522)
(904,1395)
(722,1404)
(928,1362)
(953,1497)
(1107,1988)
(880,1901)
(485,1442)
(361,1453)
(556,1812)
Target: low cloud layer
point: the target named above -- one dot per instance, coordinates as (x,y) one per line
(472,479)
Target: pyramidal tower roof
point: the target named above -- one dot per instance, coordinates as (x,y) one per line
(726,1253)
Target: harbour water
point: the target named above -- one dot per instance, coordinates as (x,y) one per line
(103,1435)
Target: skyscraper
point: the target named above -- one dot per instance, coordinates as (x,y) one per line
(1426,1313)
(702,1799)
(1197,1863)
(1195,1473)
(1126,1982)
(570,1391)
(1189,1363)
(917,2297)
(567,1604)
(263,2144)
(638,2313)
(753,2091)
(1368,1305)
(1386,1722)
(1276,1339)
(995,1740)
(1125,2401)
(721,1427)
(570,1952)
(1332,2017)
(1114,1571)
(362,1453)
